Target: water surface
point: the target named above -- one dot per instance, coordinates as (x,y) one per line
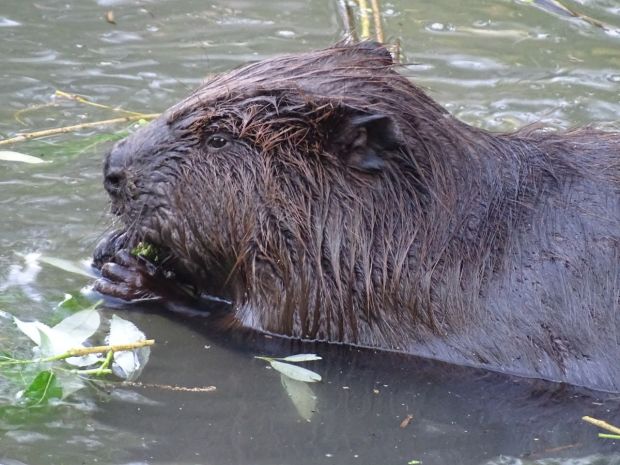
(495,64)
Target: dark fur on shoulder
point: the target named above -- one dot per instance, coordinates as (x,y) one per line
(329,198)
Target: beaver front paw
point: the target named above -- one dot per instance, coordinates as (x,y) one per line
(111,244)
(132,278)
(129,278)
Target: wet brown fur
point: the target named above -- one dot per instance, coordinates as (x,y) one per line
(493,250)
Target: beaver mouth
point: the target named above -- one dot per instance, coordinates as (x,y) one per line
(125,241)
(153,239)
(144,226)
(146,243)
(148,233)
(138,234)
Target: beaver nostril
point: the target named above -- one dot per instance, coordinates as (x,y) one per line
(113,182)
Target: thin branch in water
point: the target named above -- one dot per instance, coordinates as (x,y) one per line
(376,15)
(168,387)
(92,372)
(76,127)
(81,351)
(602,424)
(347,18)
(85,101)
(17,115)
(396,51)
(364,20)
(557,7)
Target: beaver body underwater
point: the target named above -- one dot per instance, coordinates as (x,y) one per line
(329,198)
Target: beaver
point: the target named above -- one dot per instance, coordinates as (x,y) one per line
(329,198)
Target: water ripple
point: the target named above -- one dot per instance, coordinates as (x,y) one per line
(6,22)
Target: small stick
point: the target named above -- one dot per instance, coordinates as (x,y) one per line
(52,132)
(18,113)
(364,20)
(602,424)
(376,15)
(85,101)
(80,351)
(396,51)
(168,387)
(556,6)
(406,421)
(345,15)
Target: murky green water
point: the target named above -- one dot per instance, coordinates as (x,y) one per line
(497,64)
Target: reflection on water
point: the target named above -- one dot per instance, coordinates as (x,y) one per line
(494,64)
(459,415)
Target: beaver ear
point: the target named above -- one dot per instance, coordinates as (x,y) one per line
(363,141)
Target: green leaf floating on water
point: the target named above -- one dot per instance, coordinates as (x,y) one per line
(43,388)
(68,266)
(127,364)
(300,358)
(301,395)
(295,372)
(73,303)
(70,333)
(65,343)
(30,329)
(9,155)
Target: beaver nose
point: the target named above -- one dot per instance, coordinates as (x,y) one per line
(113,181)
(114,170)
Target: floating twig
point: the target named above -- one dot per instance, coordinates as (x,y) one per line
(602,424)
(168,387)
(348,19)
(396,51)
(76,127)
(376,15)
(81,351)
(18,113)
(364,20)
(109,17)
(555,6)
(406,421)
(80,99)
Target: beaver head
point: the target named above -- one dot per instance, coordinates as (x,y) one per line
(298,179)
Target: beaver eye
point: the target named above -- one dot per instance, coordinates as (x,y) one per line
(217,141)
